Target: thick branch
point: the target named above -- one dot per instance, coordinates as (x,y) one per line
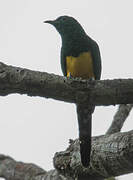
(111,156)
(119,118)
(34,83)
(13,170)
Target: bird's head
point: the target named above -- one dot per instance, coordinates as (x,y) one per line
(66,25)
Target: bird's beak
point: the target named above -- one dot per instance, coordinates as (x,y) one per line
(49,22)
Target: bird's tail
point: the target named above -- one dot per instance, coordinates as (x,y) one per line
(84,121)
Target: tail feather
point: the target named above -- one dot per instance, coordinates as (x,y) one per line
(84,121)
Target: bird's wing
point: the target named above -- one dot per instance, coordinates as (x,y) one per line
(96,59)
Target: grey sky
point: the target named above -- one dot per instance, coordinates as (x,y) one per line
(33,129)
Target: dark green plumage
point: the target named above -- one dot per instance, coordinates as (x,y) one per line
(75,42)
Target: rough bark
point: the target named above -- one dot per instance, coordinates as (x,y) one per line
(111,156)
(13,170)
(34,83)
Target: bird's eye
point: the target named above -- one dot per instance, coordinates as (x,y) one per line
(64,19)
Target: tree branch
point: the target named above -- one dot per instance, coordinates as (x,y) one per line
(119,118)
(13,170)
(111,156)
(34,83)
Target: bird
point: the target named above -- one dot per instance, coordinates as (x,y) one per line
(80,58)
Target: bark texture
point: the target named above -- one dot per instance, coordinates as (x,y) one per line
(111,155)
(14,170)
(35,83)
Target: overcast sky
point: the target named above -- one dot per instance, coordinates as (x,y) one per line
(33,128)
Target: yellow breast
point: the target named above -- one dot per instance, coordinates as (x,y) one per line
(81,66)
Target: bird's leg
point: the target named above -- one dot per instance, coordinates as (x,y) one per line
(69,75)
(91,79)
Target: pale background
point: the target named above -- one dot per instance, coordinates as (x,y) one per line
(33,128)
